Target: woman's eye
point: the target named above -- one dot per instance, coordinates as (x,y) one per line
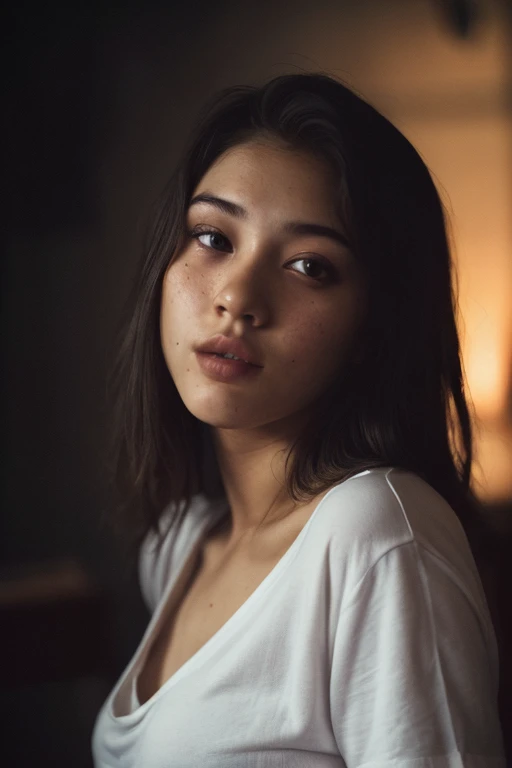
(313,268)
(212,240)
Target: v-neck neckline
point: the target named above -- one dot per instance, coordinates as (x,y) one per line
(222,633)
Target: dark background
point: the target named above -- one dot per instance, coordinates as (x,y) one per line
(97,101)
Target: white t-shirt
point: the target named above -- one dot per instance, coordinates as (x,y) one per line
(368,644)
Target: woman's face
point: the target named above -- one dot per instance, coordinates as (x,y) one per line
(264,262)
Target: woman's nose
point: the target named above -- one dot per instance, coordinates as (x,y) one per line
(244,296)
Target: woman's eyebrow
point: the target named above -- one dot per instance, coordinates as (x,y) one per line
(293,227)
(226,206)
(303,228)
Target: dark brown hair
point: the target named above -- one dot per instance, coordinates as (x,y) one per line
(401,404)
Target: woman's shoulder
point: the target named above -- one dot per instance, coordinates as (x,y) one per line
(381,509)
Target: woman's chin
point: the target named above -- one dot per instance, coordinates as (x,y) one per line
(243,417)
(226,413)
(229,420)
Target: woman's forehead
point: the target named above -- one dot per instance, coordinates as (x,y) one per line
(270,176)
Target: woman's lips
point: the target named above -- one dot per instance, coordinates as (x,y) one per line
(225,369)
(229,345)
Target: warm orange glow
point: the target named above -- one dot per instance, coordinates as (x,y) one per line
(470,163)
(470,160)
(493,466)
(486,366)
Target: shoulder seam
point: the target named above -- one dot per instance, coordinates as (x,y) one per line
(349,600)
(399,500)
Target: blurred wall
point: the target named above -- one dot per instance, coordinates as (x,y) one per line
(99,102)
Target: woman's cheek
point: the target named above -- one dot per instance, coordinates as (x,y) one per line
(185,288)
(319,343)
(309,334)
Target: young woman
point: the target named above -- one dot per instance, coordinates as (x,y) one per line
(294,450)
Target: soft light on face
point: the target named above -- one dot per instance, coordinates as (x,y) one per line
(257,271)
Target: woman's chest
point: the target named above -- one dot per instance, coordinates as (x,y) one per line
(211,589)
(204,603)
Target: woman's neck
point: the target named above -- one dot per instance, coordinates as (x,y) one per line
(252,467)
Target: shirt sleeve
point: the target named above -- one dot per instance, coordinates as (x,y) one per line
(155,560)
(414,675)
(147,557)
